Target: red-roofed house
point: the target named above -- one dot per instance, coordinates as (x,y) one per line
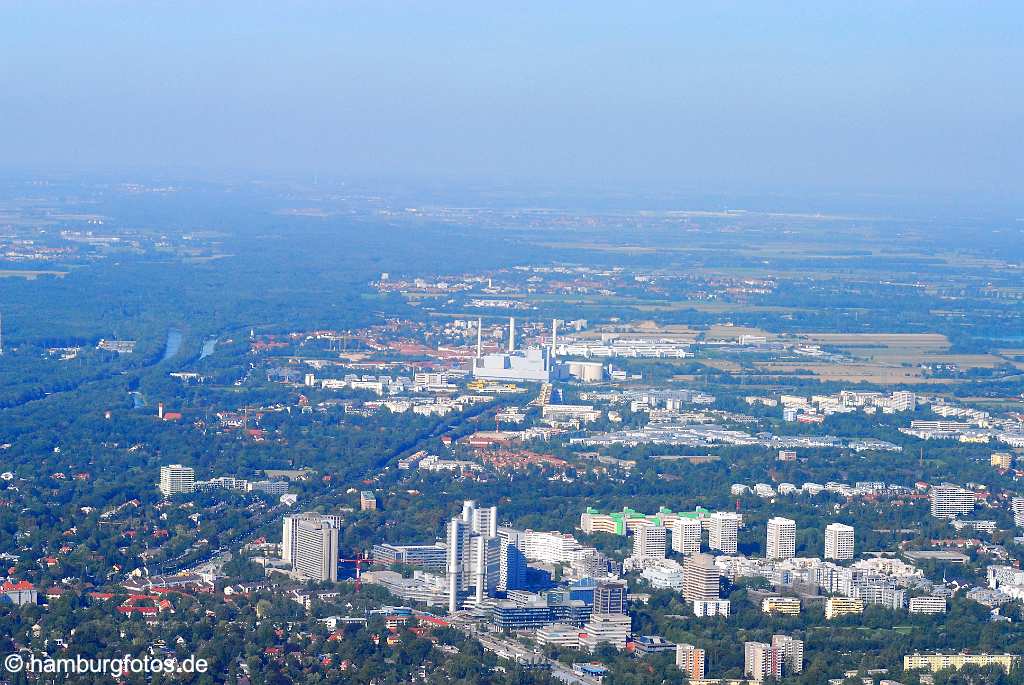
(20,593)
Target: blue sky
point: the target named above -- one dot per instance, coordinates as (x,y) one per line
(891,98)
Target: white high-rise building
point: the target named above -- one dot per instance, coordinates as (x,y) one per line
(288,528)
(177,479)
(686,535)
(760,661)
(792,651)
(650,542)
(781,538)
(701,579)
(949,501)
(839,541)
(474,553)
(723,532)
(1017,507)
(310,543)
(484,520)
(783,657)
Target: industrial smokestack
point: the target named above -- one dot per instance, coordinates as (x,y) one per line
(160,409)
(554,336)
(511,334)
(479,338)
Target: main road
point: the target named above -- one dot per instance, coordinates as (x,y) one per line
(508,648)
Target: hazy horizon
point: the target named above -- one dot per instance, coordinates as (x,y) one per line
(913,101)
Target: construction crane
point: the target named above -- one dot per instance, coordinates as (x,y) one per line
(364,559)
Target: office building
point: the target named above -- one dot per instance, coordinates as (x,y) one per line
(177,479)
(686,536)
(474,554)
(610,597)
(839,541)
(288,538)
(664,574)
(650,542)
(427,588)
(550,547)
(430,558)
(645,645)
(613,629)
(512,570)
(781,542)
(723,532)
(701,578)
(690,660)
(949,501)
(510,615)
(270,487)
(560,635)
(311,542)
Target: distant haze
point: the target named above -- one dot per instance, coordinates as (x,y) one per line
(911,98)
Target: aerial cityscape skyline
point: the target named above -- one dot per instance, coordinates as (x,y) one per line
(384,343)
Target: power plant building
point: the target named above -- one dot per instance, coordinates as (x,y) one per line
(535,364)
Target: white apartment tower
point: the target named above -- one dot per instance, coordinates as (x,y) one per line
(723,532)
(176,479)
(949,501)
(686,535)
(792,651)
(839,541)
(784,656)
(781,538)
(1017,507)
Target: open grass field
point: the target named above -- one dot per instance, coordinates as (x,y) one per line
(722,365)
(721,332)
(930,341)
(852,373)
(716,307)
